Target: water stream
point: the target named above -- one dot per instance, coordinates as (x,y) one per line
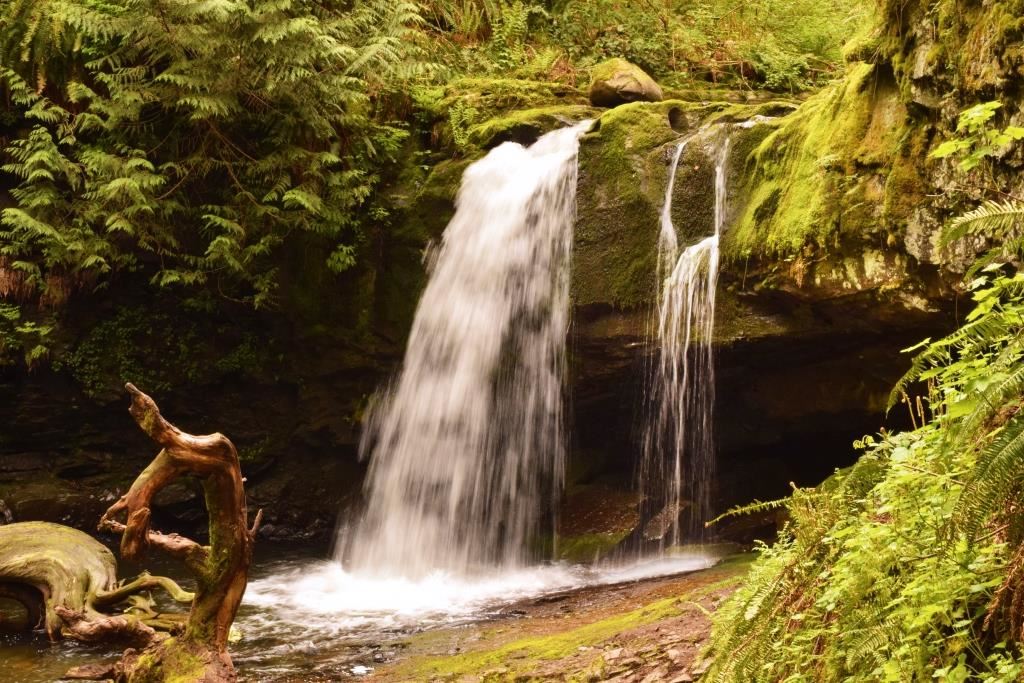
(467,447)
(307,620)
(678,459)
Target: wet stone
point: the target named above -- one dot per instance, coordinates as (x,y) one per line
(655,676)
(612,655)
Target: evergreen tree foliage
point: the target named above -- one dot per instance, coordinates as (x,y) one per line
(191,139)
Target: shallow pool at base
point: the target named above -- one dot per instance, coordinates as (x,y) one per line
(311,620)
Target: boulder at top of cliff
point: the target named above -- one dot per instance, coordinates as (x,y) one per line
(617,81)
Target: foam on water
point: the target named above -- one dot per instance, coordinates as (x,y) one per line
(325,598)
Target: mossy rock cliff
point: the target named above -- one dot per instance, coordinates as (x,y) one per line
(624,171)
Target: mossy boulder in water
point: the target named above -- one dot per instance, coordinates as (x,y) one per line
(617,81)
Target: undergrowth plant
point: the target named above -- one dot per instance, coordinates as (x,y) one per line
(782,45)
(909,566)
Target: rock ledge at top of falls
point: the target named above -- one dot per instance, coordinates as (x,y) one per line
(617,81)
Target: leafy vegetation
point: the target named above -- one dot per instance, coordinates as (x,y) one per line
(779,45)
(192,138)
(202,147)
(978,139)
(910,564)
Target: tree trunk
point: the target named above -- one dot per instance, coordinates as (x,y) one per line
(220,569)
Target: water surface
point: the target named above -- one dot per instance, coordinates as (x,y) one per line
(307,619)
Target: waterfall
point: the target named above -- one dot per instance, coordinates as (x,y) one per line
(466,446)
(678,458)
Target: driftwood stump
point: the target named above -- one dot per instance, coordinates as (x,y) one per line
(67,582)
(199,653)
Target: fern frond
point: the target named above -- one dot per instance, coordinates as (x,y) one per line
(992,217)
(871,643)
(749,509)
(973,334)
(997,475)
(991,400)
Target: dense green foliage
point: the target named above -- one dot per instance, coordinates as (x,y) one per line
(782,45)
(195,137)
(203,147)
(189,142)
(910,564)
(978,139)
(891,570)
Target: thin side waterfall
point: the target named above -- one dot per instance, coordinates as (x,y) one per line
(678,457)
(466,446)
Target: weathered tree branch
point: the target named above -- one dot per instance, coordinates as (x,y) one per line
(221,569)
(193,554)
(99,629)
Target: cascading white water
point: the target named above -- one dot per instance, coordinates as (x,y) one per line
(467,445)
(678,459)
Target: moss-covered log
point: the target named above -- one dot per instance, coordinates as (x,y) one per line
(46,566)
(67,582)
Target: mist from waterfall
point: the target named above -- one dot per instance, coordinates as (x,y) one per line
(466,447)
(677,466)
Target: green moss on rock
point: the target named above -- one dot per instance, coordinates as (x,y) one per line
(458,115)
(623,174)
(521,658)
(432,203)
(617,81)
(172,661)
(624,165)
(588,547)
(822,174)
(525,126)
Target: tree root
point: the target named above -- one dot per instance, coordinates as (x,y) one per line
(95,628)
(144,581)
(200,652)
(67,580)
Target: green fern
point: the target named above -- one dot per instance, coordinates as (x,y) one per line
(886,571)
(140,143)
(994,481)
(753,508)
(994,217)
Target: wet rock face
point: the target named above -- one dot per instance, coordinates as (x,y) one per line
(819,288)
(617,81)
(797,381)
